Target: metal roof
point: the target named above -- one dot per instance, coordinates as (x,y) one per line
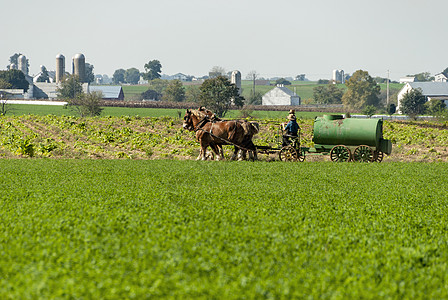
(431,88)
(109,91)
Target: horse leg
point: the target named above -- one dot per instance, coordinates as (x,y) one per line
(235,153)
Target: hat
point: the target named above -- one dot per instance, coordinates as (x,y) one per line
(292,111)
(291,117)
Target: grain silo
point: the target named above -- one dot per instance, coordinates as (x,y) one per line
(79,66)
(60,67)
(236,79)
(21,61)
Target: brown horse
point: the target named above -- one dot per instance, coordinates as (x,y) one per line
(217,133)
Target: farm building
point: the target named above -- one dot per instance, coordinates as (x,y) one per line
(441,77)
(110,92)
(280,95)
(431,90)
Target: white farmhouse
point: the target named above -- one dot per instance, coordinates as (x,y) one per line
(441,77)
(431,90)
(280,95)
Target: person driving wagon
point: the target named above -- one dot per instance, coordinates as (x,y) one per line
(290,129)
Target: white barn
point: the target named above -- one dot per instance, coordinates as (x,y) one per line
(431,90)
(280,95)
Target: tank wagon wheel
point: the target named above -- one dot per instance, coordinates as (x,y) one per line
(301,156)
(340,153)
(378,156)
(288,153)
(363,153)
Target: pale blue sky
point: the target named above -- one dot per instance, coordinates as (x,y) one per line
(275,38)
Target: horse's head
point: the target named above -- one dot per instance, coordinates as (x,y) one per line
(188,120)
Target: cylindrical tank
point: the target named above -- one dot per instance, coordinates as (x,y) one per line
(60,67)
(79,66)
(331,130)
(21,61)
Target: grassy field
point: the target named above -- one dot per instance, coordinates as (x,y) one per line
(137,229)
(43,110)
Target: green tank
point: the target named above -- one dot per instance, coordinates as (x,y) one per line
(332,130)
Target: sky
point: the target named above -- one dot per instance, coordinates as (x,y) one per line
(281,38)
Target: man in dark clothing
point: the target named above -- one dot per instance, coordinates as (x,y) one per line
(291,128)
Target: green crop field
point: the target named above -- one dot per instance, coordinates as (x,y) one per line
(140,229)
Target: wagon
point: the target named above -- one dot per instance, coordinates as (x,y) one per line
(344,139)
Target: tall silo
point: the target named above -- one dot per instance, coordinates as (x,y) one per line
(60,67)
(21,61)
(79,66)
(236,79)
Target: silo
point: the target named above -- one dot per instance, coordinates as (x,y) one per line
(236,79)
(79,66)
(13,66)
(21,61)
(60,67)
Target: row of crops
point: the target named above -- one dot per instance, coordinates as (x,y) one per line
(163,137)
(152,229)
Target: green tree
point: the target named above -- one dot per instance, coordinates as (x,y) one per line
(436,107)
(153,69)
(87,105)
(70,88)
(217,71)
(422,77)
(175,92)
(283,81)
(151,95)
(328,94)
(369,110)
(118,76)
(219,94)
(192,93)
(413,103)
(255,98)
(15,78)
(391,109)
(4,84)
(90,76)
(362,90)
(132,76)
(159,85)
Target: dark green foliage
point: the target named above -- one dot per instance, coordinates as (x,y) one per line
(436,107)
(413,103)
(391,109)
(282,81)
(219,94)
(369,110)
(255,98)
(174,92)
(15,78)
(422,77)
(329,94)
(132,76)
(118,76)
(362,90)
(87,105)
(151,95)
(70,88)
(90,76)
(153,69)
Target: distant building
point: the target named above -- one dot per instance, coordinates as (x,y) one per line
(408,79)
(110,92)
(440,78)
(280,95)
(431,90)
